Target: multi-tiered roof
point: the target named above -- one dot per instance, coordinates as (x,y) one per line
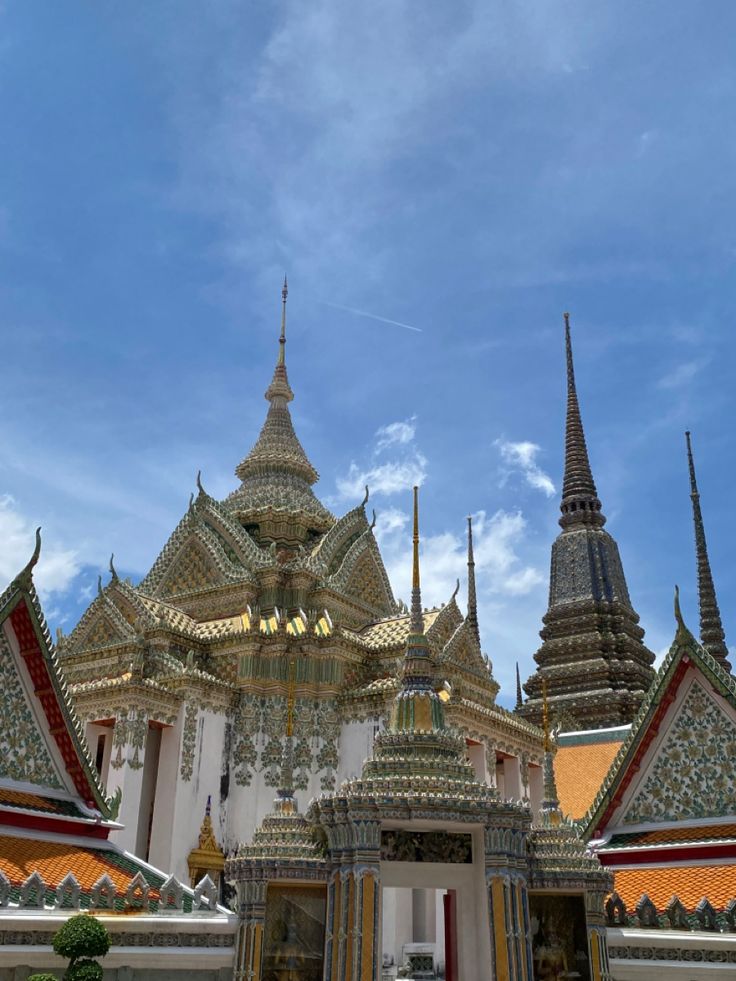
(592,658)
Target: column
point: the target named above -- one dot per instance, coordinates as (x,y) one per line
(536,788)
(126,774)
(367,923)
(598,953)
(332,925)
(249,939)
(512,778)
(498,919)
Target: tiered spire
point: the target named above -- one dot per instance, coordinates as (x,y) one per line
(472,617)
(580,503)
(417,705)
(550,810)
(592,655)
(519,698)
(277,475)
(277,446)
(712,635)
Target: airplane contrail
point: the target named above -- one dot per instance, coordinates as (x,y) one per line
(371,316)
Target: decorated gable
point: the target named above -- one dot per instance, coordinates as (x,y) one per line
(192,569)
(691,773)
(24,754)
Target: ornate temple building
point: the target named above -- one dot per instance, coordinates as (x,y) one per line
(182,680)
(592,657)
(56,822)
(520,899)
(590,833)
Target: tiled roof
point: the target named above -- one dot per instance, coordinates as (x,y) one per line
(580,772)
(673,836)
(690,883)
(393,631)
(36,802)
(20,857)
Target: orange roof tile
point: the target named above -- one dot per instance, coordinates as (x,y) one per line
(689,882)
(579,772)
(35,802)
(672,836)
(20,857)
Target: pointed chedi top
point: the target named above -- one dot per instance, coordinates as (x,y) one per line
(712,635)
(580,504)
(417,705)
(277,475)
(472,617)
(519,697)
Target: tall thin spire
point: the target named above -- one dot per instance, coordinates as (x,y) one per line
(417,621)
(519,698)
(580,503)
(550,810)
(472,617)
(712,635)
(279,387)
(282,338)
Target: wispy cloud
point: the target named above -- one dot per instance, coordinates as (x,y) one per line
(522,458)
(372,316)
(395,433)
(682,374)
(500,571)
(407,468)
(57,566)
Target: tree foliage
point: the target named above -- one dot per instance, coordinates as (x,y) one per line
(79,939)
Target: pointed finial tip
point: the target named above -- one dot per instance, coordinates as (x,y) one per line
(36,550)
(366,496)
(113,573)
(678,611)
(199,482)
(566,317)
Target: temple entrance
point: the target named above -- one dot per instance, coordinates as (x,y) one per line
(422,902)
(416,933)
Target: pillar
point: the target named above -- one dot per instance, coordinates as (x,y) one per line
(508,908)
(536,788)
(598,952)
(512,778)
(126,772)
(249,939)
(367,923)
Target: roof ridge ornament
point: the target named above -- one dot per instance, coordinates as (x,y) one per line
(25,576)
(113,573)
(580,503)
(712,635)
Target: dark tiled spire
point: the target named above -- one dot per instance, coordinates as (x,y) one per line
(519,698)
(712,635)
(580,504)
(472,617)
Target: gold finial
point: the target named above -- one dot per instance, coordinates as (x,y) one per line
(290,701)
(415,570)
(282,339)
(545,717)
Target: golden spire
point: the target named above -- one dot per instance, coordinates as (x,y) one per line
(282,339)
(545,717)
(417,621)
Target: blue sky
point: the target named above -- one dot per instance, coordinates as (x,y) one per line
(469,169)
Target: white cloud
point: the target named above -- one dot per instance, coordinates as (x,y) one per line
(682,374)
(392,476)
(500,571)
(522,458)
(396,433)
(57,566)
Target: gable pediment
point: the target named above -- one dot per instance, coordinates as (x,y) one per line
(24,754)
(690,773)
(192,569)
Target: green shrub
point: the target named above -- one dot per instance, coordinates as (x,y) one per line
(42,977)
(84,970)
(81,936)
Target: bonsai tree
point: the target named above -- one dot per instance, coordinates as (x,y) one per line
(80,939)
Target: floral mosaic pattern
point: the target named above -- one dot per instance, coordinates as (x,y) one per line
(131,729)
(188,742)
(23,752)
(259,727)
(692,776)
